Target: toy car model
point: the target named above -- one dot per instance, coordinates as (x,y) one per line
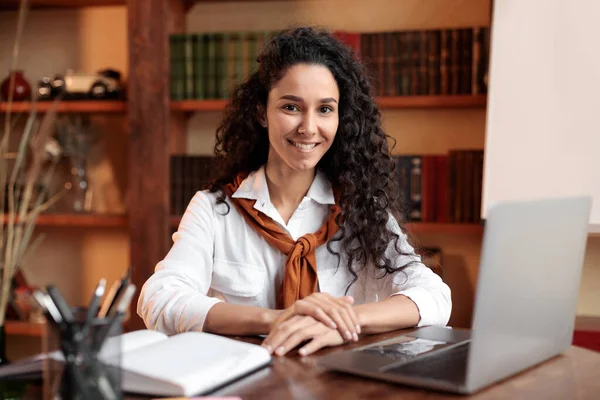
(105,84)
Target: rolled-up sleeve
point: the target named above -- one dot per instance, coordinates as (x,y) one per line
(418,282)
(174,299)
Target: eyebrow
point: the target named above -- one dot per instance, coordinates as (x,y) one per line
(299,99)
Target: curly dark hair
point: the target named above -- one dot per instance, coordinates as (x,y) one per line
(358,164)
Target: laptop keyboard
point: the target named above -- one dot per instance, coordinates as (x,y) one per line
(449,365)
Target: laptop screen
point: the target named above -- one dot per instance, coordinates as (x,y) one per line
(402,348)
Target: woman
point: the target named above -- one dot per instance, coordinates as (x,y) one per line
(299,240)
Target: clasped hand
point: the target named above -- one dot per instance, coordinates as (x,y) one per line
(320,319)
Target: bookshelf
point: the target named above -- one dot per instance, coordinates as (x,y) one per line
(157,128)
(79,220)
(389,103)
(84,106)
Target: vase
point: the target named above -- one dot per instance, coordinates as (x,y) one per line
(21,90)
(79,186)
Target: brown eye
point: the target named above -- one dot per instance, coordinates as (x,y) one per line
(325,109)
(290,107)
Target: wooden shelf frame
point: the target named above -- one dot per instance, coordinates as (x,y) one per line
(44,4)
(79,220)
(68,106)
(22,328)
(41,4)
(385,103)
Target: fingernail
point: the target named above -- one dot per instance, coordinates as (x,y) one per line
(280,350)
(348,335)
(269,349)
(355,337)
(333,326)
(302,352)
(357,328)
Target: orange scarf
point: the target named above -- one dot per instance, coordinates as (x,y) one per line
(300,274)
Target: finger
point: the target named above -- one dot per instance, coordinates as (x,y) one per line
(277,330)
(284,330)
(328,339)
(346,312)
(308,307)
(301,335)
(329,305)
(351,312)
(350,333)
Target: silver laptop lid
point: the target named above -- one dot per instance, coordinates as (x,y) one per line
(528,285)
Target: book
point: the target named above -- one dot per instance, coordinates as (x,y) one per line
(155,364)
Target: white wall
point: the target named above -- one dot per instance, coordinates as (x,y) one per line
(543,135)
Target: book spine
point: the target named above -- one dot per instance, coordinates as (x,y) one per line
(199,67)
(188,43)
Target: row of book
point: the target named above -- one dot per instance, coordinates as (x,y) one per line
(188,174)
(434,188)
(403,63)
(207,66)
(444,188)
(430,62)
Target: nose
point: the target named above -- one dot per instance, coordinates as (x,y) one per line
(308,126)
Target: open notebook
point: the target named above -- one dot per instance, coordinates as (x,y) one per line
(185,364)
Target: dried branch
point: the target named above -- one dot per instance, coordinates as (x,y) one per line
(6,261)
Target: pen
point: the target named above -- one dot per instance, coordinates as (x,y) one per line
(108,300)
(92,310)
(48,306)
(123,284)
(55,298)
(93,306)
(115,316)
(52,314)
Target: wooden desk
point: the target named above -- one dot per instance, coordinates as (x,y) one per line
(574,375)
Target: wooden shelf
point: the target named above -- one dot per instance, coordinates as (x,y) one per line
(22,328)
(445,228)
(80,220)
(192,2)
(198,105)
(414,227)
(456,101)
(14,4)
(390,103)
(83,106)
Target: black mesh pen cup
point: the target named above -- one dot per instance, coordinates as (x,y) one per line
(91,352)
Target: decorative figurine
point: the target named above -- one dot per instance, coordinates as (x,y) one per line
(21,89)
(103,85)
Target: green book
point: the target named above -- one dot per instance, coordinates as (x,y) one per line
(188,63)
(199,66)
(177,67)
(211,81)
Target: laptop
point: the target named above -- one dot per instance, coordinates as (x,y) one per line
(525,306)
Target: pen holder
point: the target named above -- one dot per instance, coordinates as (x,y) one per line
(92,358)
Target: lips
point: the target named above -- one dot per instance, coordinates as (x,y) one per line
(303,146)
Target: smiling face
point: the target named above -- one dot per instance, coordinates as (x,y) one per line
(302,117)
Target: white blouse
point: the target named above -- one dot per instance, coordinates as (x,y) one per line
(217,257)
